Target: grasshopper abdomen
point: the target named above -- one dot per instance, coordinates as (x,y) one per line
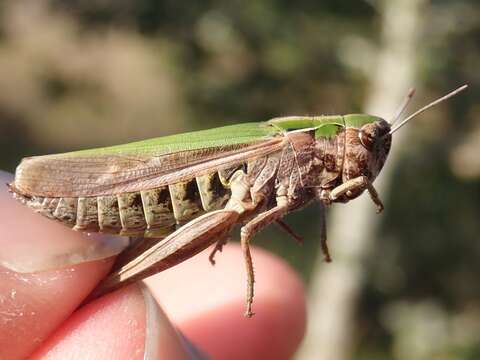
(150,213)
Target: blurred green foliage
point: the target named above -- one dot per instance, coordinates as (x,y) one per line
(87,73)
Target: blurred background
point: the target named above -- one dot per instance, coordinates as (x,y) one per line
(403,284)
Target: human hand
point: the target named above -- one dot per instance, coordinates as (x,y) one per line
(40,318)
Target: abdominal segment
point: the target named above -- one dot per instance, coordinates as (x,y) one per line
(148,213)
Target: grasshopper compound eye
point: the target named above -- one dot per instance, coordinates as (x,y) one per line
(372,134)
(366,139)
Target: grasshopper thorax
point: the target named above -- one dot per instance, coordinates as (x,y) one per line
(350,150)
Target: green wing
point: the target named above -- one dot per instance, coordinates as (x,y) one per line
(226,136)
(145,164)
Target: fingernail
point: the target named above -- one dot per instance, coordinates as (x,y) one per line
(194,352)
(162,340)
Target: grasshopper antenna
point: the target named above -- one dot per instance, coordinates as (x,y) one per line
(432,104)
(403,106)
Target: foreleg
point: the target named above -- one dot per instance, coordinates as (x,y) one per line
(357,184)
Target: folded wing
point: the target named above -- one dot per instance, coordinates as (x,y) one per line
(136,167)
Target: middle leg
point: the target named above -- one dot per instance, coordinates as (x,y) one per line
(246,233)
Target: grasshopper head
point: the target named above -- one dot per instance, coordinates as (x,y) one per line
(368,140)
(366,147)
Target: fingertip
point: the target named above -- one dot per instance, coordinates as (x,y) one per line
(109,327)
(35,304)
(125,324)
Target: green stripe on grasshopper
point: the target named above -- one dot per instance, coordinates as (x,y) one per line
(325,126)
(358,120)
(245,133)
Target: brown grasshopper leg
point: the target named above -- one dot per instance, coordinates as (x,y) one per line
(246,233)
(218,248)
(285,227)
(358,183)
(179,246)
(323,235)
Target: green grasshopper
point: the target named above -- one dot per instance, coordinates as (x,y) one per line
(177,195)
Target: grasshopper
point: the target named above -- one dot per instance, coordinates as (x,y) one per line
(177,195)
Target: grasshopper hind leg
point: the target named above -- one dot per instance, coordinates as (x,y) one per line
(161,254)
(138,245)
